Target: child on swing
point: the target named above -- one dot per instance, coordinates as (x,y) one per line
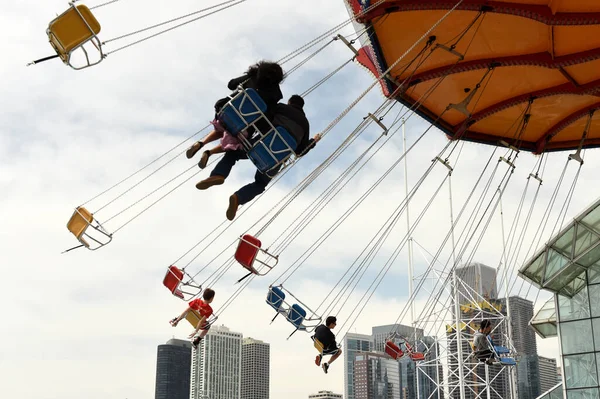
(202,306)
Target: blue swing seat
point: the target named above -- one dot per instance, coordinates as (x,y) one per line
(241,111)
(275,298)
(501,350)
(296,316)
(274,148)
(508,361)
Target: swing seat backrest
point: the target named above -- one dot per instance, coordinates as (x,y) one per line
(274,148)
(79,222)
(247,250)
(318,345)
(243,109)
(71,29)
(393,350)
(501,350)
(417,356)
(193,317)
(275,298)
(296,316)
(172,280)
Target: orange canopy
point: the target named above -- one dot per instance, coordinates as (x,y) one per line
(526,71)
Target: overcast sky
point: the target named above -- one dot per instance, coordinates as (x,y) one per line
(88,323)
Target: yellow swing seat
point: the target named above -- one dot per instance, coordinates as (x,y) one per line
(71,30)
(321,348)
(78,225)
(193,317)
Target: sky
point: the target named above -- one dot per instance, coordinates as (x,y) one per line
(89,322)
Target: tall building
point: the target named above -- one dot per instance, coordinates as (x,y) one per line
(325,395)
(376,376)
(547,373)
(255,369)
(353,344)
(524,342)
(216,365)
(481,279)
(173,370)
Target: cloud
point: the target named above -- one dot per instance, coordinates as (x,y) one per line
(90,321)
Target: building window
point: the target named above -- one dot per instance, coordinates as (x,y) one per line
(580,371)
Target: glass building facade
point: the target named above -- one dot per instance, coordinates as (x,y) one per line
(569,266)
(353,344)
(173,370)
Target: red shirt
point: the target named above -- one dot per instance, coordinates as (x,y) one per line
(201,307)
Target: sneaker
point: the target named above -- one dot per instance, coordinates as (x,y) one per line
(318,360)
(209,182)
(233,207)
(194,149)
(204,159)
(196,341)
(325,367)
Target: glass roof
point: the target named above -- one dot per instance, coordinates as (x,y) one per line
(561,264)
(544,321)
(556,392)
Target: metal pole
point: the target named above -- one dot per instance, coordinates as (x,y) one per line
(457,320)
(512,371)
(487,381)
(418,385)
(437,366)
(410,257)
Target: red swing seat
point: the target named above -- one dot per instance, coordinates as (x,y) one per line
(393,350)
(247,252)
(173,279)
(415,356)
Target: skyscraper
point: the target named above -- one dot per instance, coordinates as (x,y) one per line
(528,372)
(353,343)
(216,365)
(482,280)
(547,373)
(255,369)
(376,376)
(173,370)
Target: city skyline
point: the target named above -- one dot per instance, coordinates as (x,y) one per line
(240,367)
(365,345)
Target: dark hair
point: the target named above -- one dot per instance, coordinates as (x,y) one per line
(265,73)
(296,101)
(208,294)
(330,319)
(485,324)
